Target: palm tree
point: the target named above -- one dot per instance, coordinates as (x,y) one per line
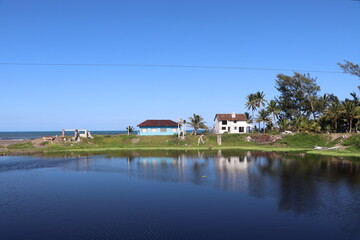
(260,99)
(248,117)
(263,117)
(196,122)
(273,109)
(251,103)
(284,124)
(351,112)
(333,113)
(297,122)
(130,129)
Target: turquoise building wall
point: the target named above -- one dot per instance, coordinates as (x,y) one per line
(168,131)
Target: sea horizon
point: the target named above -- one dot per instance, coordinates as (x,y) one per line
(25,135)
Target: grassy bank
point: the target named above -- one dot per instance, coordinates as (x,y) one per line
(293,143)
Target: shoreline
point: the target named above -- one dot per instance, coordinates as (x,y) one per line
(329,153)
(299,143)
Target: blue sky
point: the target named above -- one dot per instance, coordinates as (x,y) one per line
(286,34)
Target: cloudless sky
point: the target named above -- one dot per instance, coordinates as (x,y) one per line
(286,34)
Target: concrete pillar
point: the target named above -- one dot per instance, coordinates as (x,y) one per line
(218,139)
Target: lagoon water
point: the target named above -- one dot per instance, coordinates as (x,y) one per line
(179,195)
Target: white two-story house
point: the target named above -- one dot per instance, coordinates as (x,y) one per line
(232,123)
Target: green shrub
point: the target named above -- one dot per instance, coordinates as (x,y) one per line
(354,140)
(24,145)
(44,143)
(56,146)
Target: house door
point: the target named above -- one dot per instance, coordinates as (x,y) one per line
(228,129)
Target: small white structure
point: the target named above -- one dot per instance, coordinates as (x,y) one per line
(78,133)
(231,123)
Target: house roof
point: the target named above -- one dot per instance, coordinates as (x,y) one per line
(228,117)
(158,123)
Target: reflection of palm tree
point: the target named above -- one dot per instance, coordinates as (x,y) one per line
(196,122)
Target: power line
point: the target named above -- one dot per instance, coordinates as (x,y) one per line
(163,66)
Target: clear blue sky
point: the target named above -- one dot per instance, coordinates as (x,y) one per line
(287,34)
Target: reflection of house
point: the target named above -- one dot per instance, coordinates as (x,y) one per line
(158,127)
(233,172)
(231,123)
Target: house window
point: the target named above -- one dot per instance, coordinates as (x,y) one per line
(235,121)
(154,130)
(144,130)
(241,129)
(224,122)
(174,130)
(223,128)
(162,129)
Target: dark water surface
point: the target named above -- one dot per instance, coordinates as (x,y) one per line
(178,195)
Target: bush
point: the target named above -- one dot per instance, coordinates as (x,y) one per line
(352,141)
(23,145)
(44,143)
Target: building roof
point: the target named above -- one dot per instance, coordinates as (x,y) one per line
(228,117)
(158,123)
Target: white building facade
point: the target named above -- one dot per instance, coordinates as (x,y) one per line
(231,123)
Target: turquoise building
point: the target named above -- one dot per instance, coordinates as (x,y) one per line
(158,127)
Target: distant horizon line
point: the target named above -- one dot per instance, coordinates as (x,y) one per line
(166,66)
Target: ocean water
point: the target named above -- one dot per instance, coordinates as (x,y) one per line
(39,134)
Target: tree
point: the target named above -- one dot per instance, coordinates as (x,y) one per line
(284,124)
(263,117)
(273,109)
(130,129)
(296,93)
(248,117)
(260,99)
(352,68)
(351,112)
(251,103)
(333,113)
(196,122)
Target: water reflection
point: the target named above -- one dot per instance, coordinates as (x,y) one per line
(299,183)
(252,185)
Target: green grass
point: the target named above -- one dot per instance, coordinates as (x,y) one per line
(293,143)
(24,145)
(305,140)
(336,153)
(299,142)
(248,148)
(353,140)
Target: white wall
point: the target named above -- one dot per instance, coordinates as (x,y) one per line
(230,123)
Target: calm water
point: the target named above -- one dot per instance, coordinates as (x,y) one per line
(178,195)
